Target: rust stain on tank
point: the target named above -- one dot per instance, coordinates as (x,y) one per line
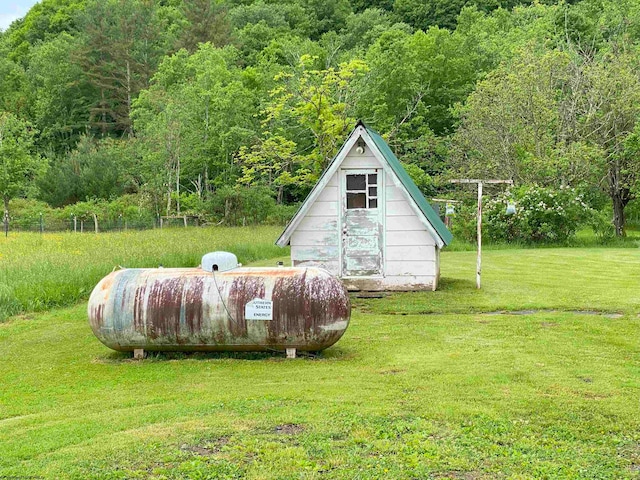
(107,283)
(193,306)
(289,306)
(139,308)
(97,315)
(163,308)
(307,305)
(243,289)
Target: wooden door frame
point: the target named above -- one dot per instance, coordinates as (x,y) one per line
(342,207)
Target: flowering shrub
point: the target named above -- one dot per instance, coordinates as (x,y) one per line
(542,215)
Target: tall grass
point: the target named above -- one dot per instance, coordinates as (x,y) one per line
(38,272)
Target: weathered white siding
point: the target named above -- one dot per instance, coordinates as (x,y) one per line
(411,251)
(410,254)
(356,160)
(316,241)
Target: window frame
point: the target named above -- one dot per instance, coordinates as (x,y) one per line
(366,190)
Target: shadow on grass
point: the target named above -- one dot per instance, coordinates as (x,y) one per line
(334,353)
(456,284)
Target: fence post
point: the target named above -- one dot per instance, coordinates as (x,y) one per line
(95,222)
(41,224)
(120,221)
(6,223)
(75,224)
(185,221)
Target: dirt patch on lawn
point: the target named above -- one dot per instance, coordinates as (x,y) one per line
(289,429)
(207,447)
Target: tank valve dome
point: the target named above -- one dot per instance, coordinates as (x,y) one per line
(219,262)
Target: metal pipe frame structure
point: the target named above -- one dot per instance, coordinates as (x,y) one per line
(479,183)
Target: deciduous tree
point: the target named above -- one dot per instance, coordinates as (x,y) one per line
(19,166)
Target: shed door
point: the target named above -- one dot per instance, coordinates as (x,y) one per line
(361,222)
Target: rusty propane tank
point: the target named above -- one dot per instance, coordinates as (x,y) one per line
(239,309)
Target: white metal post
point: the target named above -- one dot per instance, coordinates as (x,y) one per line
(479,260)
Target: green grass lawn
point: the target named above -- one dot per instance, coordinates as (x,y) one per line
(422,385)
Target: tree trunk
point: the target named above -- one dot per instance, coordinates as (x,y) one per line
(178,184)
(169,197)
(620,195)
(618,214)
(6,205)
(130,126)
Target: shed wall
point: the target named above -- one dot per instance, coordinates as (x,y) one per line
(411,251)
(316,241)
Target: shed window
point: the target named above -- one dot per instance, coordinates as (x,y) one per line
(356,182)
(362,191)
(356,200)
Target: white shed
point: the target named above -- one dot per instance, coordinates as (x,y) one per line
(367,222)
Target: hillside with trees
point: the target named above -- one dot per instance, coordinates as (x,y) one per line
(230,110)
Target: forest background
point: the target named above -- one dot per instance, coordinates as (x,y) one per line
(230,110)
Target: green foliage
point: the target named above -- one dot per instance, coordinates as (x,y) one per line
(414,81)
(422,14)
(242,205)
(43,22)
(205,21)
(364,28)
(196,114)
(122,42)
(602,225)
(556,118)
(19,166)
(204,94)
(464,223)
(305,122)
(422,179)
(60,94)
(99,169)
(543,215)
(326,15)
(13,97)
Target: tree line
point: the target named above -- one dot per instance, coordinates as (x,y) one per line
(182,106)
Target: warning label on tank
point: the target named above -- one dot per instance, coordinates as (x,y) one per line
(258,309)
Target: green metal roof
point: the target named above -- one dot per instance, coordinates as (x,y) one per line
(410,186)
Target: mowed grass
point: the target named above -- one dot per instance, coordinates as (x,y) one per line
(38,272)
(600,279)
(422,385)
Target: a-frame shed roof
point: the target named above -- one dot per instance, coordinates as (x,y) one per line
(384,154)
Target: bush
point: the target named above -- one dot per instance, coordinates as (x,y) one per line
(25,213)
(242,205)
(543,215)
(282,214)
(463,223)
(602,225)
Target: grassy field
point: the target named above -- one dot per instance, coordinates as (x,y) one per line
(535,376)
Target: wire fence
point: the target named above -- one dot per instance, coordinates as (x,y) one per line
(97,225)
